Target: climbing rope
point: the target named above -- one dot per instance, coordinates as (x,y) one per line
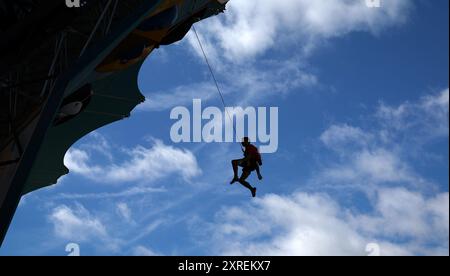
(214,78)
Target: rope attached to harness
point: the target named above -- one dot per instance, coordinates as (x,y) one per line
(222,98)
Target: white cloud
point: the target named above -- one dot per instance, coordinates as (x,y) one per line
(237,44)
(178,96)
(124,211)
(77,160)
(369,158)
(425,118)
(263,79)
(76,224)
(407,214)
(134,191)
(145,231)
(250,28)
(367,169)
(314,224)
(155,163)
(428,117)
(144,165)
(99,144)
(437,104)
(382,166)
(277,78)
(143,251)
(340,135)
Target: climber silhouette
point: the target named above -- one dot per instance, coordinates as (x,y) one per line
(250,162)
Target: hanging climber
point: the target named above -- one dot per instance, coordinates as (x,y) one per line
(251,162)
(252,158)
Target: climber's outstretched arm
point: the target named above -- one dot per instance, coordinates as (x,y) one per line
(258,172)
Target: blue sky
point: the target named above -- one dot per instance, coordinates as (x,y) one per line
(363,143)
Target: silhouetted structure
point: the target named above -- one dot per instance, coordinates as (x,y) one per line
(65,72)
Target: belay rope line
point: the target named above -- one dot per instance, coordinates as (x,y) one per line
(215,80)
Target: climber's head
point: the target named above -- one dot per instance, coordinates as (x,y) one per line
(245,141)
